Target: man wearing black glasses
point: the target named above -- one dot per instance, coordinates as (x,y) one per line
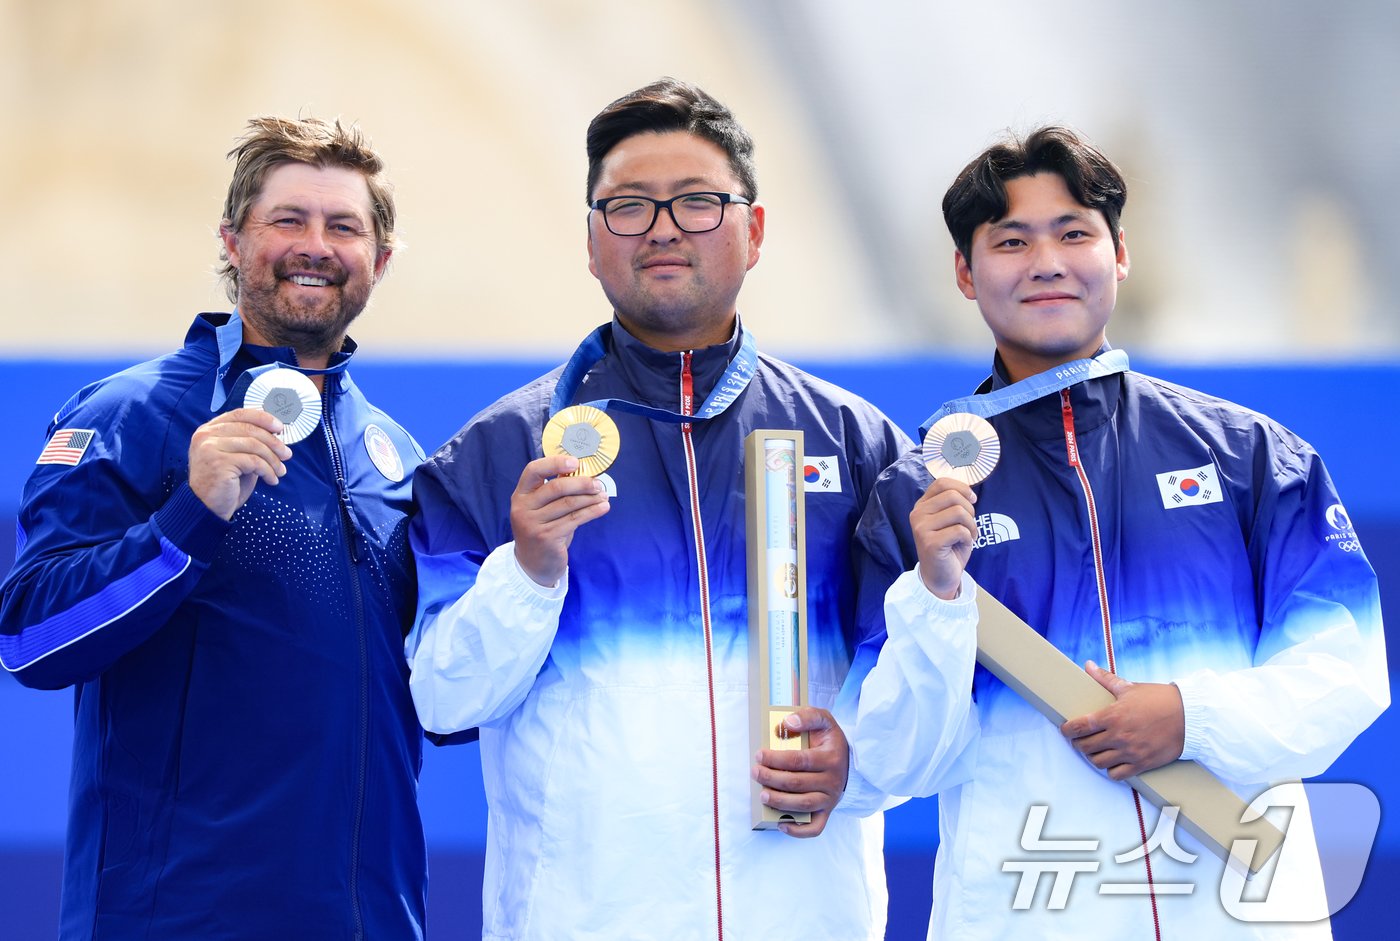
(593,625)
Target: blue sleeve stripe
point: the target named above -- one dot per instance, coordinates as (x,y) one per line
(113,602)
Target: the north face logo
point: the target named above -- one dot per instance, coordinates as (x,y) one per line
(993,528)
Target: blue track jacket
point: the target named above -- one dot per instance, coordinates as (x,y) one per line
(614,710)
(1172,537)
(246,752)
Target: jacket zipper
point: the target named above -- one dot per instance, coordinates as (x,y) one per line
(1095,537)
(693,482)
(352,537)
(1106,620)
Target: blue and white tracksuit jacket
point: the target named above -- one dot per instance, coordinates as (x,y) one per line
(246,751)
(1179,538)
(613,710)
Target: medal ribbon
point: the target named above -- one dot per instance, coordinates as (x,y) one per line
(735,379)
(1031,388)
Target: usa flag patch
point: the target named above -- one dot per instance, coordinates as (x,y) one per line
(67,446)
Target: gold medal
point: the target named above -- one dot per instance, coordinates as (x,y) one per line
(586,433)
(291,397)
(962,446)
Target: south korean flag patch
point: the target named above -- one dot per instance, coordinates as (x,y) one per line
(821,475)
(1195,486)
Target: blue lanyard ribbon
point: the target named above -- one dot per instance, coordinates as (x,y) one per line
(1108,363)
(735,379)
(230,340)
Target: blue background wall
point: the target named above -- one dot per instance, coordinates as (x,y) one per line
(1348,411)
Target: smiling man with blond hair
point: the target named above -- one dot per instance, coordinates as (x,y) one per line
(214,556)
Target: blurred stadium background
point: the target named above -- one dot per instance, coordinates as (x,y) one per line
(1258,139)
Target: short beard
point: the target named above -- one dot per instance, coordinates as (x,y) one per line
(313,332)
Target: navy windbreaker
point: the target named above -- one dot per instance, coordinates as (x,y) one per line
(245,752)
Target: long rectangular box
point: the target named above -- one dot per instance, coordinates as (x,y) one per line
(776,518)
(1024,660)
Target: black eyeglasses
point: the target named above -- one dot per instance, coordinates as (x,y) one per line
(691,212)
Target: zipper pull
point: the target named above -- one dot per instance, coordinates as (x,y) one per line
(687,389)
(1071,444)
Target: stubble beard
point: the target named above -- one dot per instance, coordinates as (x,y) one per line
(691,310)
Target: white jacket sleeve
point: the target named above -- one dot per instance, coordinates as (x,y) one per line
(916,722)
(1318,676)
(475,660)
(1292,715)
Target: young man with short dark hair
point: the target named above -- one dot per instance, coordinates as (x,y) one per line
(1191,553)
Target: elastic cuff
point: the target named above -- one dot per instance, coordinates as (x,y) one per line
(547,592)
(860,798)
(967,592)
(1194,739)
(190,525)
(914,615)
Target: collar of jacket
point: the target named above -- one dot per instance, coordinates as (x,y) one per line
(1094,401)
(224,331)
(654,376)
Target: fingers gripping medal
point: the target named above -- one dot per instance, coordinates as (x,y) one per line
(962,446)
(586,433)
(289,396)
